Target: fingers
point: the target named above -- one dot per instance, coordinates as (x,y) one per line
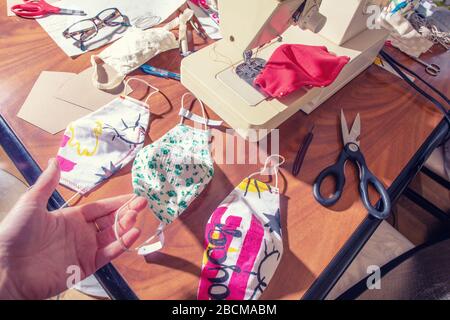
(47,182)
(107,236)
(115,249)
(98,209)
(108,220)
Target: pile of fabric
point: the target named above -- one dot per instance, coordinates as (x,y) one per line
(416,26)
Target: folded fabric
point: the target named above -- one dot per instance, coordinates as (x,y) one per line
(292,67)
(135,48)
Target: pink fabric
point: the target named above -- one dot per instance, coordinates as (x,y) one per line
(211,270)
(64,141)
(247,257)
(65,164)
(292,67)
(237,285)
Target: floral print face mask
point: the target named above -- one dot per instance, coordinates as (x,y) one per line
(98,145)
(243,241)
(173,171)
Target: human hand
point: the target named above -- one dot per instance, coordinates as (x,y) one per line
(37,247)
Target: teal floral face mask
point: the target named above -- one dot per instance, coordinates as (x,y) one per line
(173,171)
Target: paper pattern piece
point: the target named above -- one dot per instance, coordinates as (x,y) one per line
(54,25)
(45,111)
(91,97)
(211,27)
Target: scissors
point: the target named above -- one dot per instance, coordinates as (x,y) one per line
(352,152)
(432,69)
(39,9)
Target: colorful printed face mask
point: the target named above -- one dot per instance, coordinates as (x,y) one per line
(292,67)
(243,243)
(98,145)
(173,171)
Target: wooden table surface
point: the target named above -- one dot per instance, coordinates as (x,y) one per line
(395,122)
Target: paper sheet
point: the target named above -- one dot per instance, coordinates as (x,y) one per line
(54,25)
(91,97)
(211,28)
(46,112)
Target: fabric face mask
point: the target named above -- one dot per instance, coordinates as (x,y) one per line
(98,145)
(173,171)
(243,242)
(301,66)
(135,48)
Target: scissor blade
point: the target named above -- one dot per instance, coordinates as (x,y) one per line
(356,130)
(344,128)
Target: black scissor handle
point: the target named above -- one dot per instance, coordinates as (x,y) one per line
(337,172)
(367,178)
(433,69)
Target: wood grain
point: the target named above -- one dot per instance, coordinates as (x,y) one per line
(395,122)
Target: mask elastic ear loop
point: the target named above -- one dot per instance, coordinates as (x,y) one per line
(80,192)
(66,204)
(144,82)
(275,167)
(201,104)
(116,223)
(143,249)
(146,249)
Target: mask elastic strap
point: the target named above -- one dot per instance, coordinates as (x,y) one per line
(204,120)
(276,167)
(79,193)
(146,248)
(66,204)
(116,223)
(156,90)
(143,249)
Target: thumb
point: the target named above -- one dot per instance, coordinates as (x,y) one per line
(47,182)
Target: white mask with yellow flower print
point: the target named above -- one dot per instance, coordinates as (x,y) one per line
(97,146)
(173,171)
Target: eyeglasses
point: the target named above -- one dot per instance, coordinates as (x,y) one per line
(86,29)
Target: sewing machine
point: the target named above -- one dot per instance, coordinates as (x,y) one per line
(221,74)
